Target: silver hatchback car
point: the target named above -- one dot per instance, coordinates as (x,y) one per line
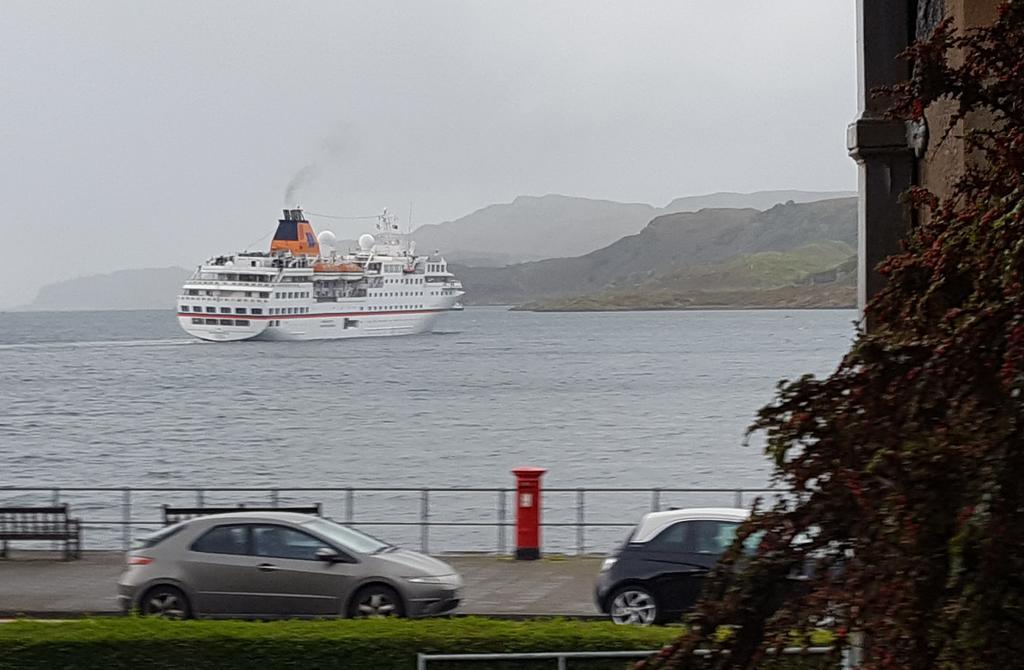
(280,564)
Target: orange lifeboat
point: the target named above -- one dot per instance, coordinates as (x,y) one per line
(337,267)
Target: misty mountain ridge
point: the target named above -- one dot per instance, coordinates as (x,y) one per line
(668,243)
(760,200)
(150,288)
(533,228)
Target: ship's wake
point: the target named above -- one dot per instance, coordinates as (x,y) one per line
(112,344)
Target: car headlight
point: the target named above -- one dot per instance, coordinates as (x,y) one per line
(434,579)
(608,563)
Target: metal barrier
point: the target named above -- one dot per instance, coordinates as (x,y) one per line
(133,514)
(562,657)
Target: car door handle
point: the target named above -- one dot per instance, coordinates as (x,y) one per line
(266,567)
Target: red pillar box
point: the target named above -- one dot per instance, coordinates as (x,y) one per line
(528,512)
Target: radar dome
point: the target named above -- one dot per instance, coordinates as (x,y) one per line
(326,238)
(366,241)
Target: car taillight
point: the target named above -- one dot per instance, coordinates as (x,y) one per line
(139,560)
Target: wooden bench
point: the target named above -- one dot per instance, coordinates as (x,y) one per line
(174,515)
(41,523)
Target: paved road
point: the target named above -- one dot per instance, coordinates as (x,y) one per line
(40,584)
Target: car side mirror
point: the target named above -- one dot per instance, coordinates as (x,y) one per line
(327,554)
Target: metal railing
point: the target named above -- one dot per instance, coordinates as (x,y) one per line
(121,512)
(562,657)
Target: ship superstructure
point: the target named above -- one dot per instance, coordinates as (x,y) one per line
(303,289)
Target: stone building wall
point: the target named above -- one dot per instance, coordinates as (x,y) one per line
(945,159)
(891,156)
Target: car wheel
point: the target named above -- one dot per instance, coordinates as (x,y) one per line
(633,605)
(166,602)
(376,601)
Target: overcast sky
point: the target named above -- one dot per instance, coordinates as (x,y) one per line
(146,134)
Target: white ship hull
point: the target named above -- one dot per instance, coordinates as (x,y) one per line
(313,326)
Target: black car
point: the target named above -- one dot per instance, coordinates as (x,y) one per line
(657,574)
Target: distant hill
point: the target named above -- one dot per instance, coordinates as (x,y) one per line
(667,244)
(534,228)
(819,274)
(759,200)
(153,288)
(531,228)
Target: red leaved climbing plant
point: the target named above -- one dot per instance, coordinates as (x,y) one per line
(907,463)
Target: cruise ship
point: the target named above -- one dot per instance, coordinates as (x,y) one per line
(304,289)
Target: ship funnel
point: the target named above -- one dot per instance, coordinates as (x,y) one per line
(295,234)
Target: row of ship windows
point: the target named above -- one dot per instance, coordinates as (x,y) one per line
(248,294)
(224,310)
(221,322)
(400,294)
(244,310)
(404,280)
(392,307)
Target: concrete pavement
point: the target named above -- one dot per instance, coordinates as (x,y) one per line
(39,584)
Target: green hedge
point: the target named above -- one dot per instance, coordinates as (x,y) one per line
(153,644)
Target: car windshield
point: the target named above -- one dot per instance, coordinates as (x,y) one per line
(346,538)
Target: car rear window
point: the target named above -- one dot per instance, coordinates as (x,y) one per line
(224,540)
(156,538)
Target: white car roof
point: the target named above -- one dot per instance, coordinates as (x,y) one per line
(293,517)
(653,523)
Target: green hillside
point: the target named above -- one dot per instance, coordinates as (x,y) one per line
(761,270)
(819,274)
(696,244)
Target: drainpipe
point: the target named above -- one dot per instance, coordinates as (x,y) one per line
(880,146)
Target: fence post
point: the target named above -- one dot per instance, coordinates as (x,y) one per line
(739,498)
(55,503)
(561,663)
(200,501)
(126,518)
(853,655)
(502,518)
(656,500)
(350,503)
(580,520)
(425,521)
(275,498)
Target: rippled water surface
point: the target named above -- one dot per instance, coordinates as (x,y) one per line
(640,399)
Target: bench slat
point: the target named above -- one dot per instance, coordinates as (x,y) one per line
(40,523)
